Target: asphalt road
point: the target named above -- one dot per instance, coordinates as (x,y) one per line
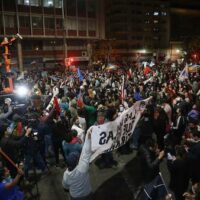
(107,184)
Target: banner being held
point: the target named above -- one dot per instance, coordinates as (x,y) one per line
(184,74)
(112,135)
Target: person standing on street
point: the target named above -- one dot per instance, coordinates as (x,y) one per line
(76,177)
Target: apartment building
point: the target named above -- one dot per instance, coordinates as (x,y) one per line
(52,29)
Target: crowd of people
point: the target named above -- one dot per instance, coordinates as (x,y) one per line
(61,108)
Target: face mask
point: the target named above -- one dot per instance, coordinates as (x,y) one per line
(8,179)
(146,119)
(187,100)
(101,120)
(121,109)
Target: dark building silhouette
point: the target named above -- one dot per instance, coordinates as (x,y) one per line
(137,26)
(185,19)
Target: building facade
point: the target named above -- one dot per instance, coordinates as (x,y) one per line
(185,19)
(137,26)
(51,29)
(184,23)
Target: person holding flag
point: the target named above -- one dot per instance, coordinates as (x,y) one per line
(8,186)
(184,74)
(79,74)
(76,177)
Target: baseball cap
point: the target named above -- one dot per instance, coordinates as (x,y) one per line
(7,100)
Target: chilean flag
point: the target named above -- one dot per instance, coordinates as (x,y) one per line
(129,73)
(56,104)
(147,70)
(122,90)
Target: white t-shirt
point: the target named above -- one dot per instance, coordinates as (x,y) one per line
(78,180)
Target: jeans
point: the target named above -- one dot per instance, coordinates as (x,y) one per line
(57,144)
(37,161)
(45,132)
(48,145)
(88,197)
(135,137)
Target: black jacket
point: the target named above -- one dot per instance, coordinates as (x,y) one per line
(194,159)
(149,163)
(179,176)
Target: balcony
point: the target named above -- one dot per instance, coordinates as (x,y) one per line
(38,31)
(72,33)
(51,53)
(82,33)
(35,9)
(60,32)
(25,31)
(48,10)
(41,53)
(92,33)
(49,31)
(22,8)
(11,31)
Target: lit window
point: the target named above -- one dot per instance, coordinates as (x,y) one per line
(155,21)
(26,2)
(48,3)
(35,2)
(156,13)
(58,3)
(163,13)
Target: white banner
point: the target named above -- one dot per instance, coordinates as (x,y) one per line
(112,135)
(184,74)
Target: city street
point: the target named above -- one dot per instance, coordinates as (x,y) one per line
(106,92)
(103,181)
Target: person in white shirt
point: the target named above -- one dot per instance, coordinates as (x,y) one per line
(7,109)
(76,177)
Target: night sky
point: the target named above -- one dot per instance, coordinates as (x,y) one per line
(195,4)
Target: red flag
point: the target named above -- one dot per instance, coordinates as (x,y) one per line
(19,128)
(56,104)
(122,90)
(130,73)
(80,102)
(147,70)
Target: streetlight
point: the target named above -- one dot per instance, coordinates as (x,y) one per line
(143,51)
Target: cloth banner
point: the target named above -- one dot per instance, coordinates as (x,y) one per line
(184,74)
(112,135)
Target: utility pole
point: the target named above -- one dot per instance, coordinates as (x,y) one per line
(64,32)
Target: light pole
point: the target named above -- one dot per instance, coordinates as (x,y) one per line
(64,31)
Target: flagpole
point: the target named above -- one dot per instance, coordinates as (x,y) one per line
(122,90)
(8,159)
